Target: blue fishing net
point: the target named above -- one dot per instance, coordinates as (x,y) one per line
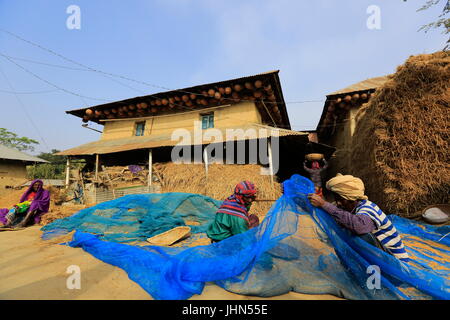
(296,248)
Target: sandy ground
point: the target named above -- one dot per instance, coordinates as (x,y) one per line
(32,269)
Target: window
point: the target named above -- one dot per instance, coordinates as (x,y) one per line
(140,128)
(207,121)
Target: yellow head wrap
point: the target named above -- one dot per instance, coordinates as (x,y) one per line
(348,187)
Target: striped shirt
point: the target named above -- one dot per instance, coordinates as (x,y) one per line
(385,231)
(234,207)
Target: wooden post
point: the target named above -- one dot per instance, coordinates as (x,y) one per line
(150,167)
(97,161)
(205,158)
(269,147)
(68,172)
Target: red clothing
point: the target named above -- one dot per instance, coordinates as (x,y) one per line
(319,191)
(31,196)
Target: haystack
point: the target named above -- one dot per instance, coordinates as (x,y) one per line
(220,182)
(401,143)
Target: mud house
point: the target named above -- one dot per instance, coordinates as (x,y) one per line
(13,166)
(206,123)
(341,112)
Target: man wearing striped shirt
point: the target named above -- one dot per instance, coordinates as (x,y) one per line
(363,217)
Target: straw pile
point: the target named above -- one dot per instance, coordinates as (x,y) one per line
(59,212)
(401,144)
(220,182)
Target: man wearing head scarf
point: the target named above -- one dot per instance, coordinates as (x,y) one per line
(355,212)
(33,204)
(232,217)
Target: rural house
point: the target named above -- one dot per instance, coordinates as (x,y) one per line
(337,124)
(140,131)
(13,166)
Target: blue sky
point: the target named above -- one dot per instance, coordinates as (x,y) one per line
(319,47)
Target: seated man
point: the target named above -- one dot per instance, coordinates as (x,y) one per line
(232,217)
(360,215)
(33,204)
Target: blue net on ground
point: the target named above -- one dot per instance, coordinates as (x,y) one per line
(134,218)
(296,248)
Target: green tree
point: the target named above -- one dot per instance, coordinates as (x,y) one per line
(52,157)
(56,169)
(12,140)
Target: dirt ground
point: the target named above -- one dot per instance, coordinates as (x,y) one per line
(32,269)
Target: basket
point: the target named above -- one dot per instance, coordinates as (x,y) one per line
(435,217)
(170,237)
(314,156)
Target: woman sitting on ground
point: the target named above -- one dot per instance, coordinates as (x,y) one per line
(363,217)
(33,204)
(232,217)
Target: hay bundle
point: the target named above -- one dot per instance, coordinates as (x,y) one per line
(220,182)
(401,143)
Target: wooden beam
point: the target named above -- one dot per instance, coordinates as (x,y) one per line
(270,115)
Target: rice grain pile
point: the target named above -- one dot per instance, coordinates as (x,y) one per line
(401,143)
(220,183)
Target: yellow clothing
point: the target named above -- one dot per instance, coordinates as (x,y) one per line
(347,186)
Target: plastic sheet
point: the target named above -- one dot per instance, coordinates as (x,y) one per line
(296,248)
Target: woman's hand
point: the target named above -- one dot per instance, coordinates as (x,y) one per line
(316,200)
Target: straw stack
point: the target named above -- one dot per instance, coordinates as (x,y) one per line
(220,182)
(401,142)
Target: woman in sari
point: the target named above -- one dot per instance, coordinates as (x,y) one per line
(33,204)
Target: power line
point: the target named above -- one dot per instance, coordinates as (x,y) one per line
(71,68)
(47,64)
(77,63)
(28,92)
(21,104)
(75,69)
(50,83)
(130,79)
